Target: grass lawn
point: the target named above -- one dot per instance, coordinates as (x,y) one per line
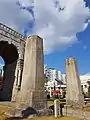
(52,118)
(50,103)
(4,108)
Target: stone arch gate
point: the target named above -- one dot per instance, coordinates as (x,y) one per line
(12,45)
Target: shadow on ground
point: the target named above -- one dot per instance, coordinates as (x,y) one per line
(14,118)
(23,114)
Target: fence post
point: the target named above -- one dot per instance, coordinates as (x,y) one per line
(56,108)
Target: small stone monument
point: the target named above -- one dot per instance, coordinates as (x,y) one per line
(74,94)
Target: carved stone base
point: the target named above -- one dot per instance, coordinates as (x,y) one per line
(35,99)
(28,112)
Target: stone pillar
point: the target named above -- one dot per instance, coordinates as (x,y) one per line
(18,72)
(32,87)
(14,93)
(6,93)
(18,79)
(74,94)
(68,81)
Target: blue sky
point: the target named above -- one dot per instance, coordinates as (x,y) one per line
(78,51)
(65,33)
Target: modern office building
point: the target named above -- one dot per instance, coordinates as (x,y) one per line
(52,73)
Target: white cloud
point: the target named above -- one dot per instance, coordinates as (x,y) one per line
(11,15)
(57,28)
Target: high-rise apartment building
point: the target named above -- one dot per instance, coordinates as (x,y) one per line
(52,74)
(46,71)
(64,78)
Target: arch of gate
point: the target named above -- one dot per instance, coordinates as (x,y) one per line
(12,46)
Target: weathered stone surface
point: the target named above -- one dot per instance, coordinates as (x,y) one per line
(22,113)
(12,44)
(32,87)
(74,94)
(28,112)
(45,112)
(26,83)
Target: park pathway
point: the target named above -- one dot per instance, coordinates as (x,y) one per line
(82,115)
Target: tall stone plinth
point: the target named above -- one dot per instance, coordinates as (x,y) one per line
(32,87)
(6,93)
(74,94)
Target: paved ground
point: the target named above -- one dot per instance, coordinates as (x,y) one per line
(82,115)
